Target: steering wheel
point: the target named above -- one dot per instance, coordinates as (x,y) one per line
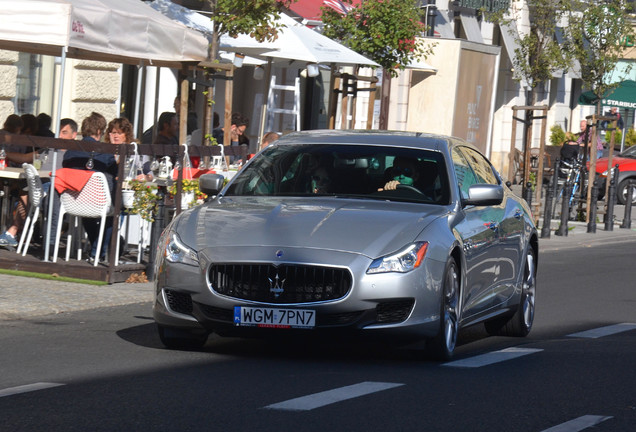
(410,188)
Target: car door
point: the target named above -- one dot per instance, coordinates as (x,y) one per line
(477,230)
(500,264)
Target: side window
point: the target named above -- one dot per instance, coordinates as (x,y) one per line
(463,173)
(482,168)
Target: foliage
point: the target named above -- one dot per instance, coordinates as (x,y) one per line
(145,201)
(630,137)
(256,18)
(597,30)
(385,31)
(539,54)
(189,186)
(253,17)
(557,135)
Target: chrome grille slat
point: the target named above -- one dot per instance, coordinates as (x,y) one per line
(299,283)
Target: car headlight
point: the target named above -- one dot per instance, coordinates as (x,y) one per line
(176,252)
(404,261)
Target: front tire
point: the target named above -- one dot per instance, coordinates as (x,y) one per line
(621,193)
(180,339)
(442,346)
(520,324)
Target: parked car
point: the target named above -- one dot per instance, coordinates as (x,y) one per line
(315,235)
(627,173)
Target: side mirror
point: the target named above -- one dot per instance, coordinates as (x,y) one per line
(484,195)
(211,184)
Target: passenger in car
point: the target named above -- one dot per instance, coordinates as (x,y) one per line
(320,181)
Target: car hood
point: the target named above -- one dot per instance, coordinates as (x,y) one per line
(371,228)
(623,162)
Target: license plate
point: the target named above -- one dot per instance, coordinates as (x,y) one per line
(273,317)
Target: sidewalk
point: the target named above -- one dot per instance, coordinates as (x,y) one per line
(23,298)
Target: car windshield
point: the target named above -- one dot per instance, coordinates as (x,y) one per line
(357,171)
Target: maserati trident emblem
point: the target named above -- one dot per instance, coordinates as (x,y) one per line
(276,286)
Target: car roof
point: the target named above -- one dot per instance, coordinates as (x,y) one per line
(369,137)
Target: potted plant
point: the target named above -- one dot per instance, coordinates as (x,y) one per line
(191,195)
(145,199)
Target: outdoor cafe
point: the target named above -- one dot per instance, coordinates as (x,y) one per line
(125,257)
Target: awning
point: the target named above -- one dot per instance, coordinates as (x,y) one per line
(471,28)
(623,96)
(510,36)
(443,27)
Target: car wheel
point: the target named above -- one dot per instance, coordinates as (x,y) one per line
(621,193)
(176,338)
(442,346)
(520,323)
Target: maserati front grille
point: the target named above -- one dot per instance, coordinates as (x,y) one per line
(282,284)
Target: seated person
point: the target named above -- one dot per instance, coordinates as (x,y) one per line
(320,181)
(570,149)
(402,172)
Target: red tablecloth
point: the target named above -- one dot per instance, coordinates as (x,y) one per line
(71,179)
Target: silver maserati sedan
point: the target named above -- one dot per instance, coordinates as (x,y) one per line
(400,235)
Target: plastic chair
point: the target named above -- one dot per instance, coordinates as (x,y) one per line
(36,194)
(93,201)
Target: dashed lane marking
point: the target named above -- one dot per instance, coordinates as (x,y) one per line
(604,331)
(328,397)
(578,424)
(493,357)
(27,388)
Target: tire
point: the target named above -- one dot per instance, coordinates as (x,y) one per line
(520,324)
(442,346)
(621,192)
(180,339)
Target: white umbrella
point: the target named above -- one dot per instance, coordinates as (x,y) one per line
(122,31)
(297,42)
(203,24)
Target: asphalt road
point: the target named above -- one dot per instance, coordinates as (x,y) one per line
(105,369)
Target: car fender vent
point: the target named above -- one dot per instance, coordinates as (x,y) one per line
(179,302)
(394,311)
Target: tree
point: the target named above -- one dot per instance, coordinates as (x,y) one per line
(598,31)
(385,31)
(539,54)
(233,17)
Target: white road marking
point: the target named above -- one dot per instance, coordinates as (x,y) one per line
(328,397)
(27,388)
(604,331)
(578,424)
(493,357)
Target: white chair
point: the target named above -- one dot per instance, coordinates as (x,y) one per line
(93,201)
(36,195)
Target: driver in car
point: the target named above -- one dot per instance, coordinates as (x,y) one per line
(403,172)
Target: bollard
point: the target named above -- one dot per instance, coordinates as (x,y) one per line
(547,215)
(611,201)
(157,228)
(565,211)
(591,225)
(527,194)
(627,219)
